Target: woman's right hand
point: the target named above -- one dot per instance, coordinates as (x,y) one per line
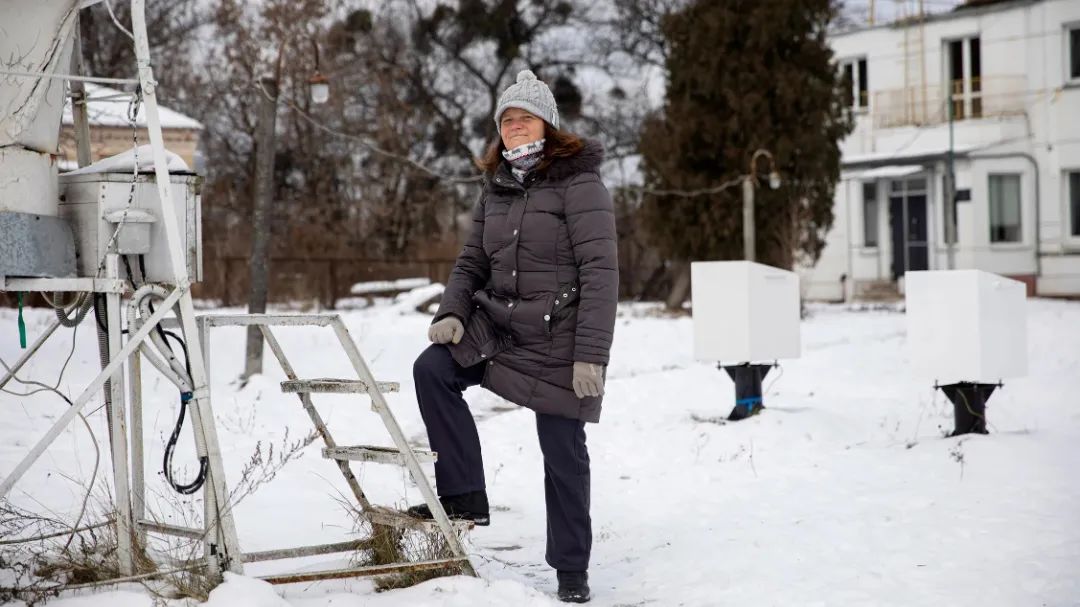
(446,330)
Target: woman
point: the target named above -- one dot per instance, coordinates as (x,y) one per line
(528,313)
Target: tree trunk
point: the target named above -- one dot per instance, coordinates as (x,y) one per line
(680,286)
(260,242)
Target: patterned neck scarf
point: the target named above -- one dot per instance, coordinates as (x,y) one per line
(524,158)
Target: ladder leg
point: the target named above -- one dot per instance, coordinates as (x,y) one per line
(221,534)
(411,463)
(320,425)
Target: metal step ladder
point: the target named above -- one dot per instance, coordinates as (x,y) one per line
(217,537)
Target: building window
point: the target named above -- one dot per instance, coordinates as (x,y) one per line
(963,69)
(1074,204)
(870,214)
(1073,61)
(857,81)
(1005,208)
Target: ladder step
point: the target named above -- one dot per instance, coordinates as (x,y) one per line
(378,455)
(289,553)
(336,386)
(402,520)
(334,574)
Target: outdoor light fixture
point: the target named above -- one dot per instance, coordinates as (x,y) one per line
(749,180)
(318,85)
(774,175)
(319,88)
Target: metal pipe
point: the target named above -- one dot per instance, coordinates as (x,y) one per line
(950,196)
(69,77)
(117,416)
(749,246)
(138,457)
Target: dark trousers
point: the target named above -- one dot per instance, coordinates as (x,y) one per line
(460,466)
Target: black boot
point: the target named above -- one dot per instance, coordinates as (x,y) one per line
(472,506)
(573,586)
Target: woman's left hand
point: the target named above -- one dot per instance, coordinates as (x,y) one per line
(588,379)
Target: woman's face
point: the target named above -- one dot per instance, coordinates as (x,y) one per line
(519,127)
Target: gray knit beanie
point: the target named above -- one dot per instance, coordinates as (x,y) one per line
(531,95)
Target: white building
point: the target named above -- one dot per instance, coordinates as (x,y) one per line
(1013,70)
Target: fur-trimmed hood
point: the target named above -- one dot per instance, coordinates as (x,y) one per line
(588,159)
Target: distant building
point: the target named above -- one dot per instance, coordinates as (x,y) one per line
(1006,75)
(111,132)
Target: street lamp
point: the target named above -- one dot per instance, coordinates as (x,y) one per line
(748,182)
(318,85)
(319,91)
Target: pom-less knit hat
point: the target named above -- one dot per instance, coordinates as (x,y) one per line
(531,95)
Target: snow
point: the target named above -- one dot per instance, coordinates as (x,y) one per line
(125,162)
(108,107)
(382,286)
(843,492)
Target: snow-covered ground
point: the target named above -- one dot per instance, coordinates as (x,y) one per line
(844,492)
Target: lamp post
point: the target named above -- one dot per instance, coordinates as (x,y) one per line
(747,376)
(748,182)
(319,91)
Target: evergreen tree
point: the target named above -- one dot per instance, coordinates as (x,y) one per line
(744,75)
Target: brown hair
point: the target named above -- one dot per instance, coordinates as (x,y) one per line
(557,144)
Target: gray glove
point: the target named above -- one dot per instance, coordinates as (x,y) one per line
(588,379)
(446,330)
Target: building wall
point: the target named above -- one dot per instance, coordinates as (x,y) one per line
(1030,116)
(108,141)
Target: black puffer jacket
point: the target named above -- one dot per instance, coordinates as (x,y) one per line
(537,284)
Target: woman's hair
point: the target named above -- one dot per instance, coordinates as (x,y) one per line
(557,144)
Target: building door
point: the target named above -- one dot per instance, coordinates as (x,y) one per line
(907,223)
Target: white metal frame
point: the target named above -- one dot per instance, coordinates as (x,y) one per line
(180,297)
(222,550)
(402,454)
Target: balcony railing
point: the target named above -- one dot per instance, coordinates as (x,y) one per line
(988,97)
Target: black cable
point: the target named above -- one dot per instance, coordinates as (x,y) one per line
(200,479)
(142,267)
(183,346)
(166,463)
(99,312)
(142,275)
(127,266)
(170,447)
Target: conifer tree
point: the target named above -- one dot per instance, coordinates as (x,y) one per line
(744,75)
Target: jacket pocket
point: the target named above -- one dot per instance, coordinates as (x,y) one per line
(563,300)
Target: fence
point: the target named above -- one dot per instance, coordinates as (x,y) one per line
(294,279)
